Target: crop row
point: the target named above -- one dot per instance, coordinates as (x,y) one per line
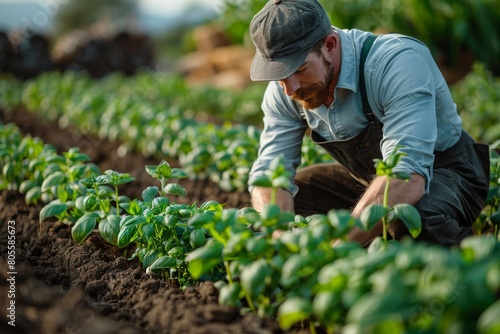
(299,277)
(158,116)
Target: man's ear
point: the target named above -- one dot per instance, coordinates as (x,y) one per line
(331,43)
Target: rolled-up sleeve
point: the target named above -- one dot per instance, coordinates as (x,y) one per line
(282,134)
(406,95)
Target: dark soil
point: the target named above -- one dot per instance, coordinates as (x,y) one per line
(64,287)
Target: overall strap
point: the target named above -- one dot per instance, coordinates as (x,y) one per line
(362,86)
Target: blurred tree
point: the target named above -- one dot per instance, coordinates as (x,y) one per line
(80,14)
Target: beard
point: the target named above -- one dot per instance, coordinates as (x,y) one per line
(315,95)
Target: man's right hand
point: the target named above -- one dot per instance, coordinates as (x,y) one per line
(262,196)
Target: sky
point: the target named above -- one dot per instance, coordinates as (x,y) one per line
(39,12)
(176,6)
(159,6)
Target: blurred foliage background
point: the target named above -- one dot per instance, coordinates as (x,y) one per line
(453,29)
(449,27)
(81,14)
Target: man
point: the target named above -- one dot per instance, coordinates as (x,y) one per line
(315,82)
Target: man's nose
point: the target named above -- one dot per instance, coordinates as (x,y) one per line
(290,85)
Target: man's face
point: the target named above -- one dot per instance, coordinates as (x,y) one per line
(309,85)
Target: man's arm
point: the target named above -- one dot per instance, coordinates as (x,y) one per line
(400,191)
(283,132)
(262,196)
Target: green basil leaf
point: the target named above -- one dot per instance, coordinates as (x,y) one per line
(294,310)
(371,215)
(109,228)
(477,248)
(51,210)
(281,182)
(178,174)
(200,219)
(164,169)
(256,245)
(342,221)
(197,238)
(134,208)
(151,170)
(149,194)
(202,259)
(131,220)
(84,226)
(148,230)
(164,262)
(260,181)
(270,211)
(254,276)
(127,235)
(26,185)
(90,202)
(488,322)
(229,294)
(409,215)
(248,215)
(326,307)
(33,195)
(103,179)
(150,257)
(123,178)
(52,180)
(296,267)
(8,172)
(159,204)
(76,171)
(211,206)
(495,218)
(175,189)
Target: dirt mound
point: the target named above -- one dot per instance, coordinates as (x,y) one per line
(61,287)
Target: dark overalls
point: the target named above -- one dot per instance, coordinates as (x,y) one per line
(457,194)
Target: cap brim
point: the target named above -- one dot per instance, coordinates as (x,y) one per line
(273,70)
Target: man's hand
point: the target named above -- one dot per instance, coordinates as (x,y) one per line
(262,196)
(400,191)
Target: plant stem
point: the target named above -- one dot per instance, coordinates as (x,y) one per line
(273,195)
(116,199)
(249,301)
(385,204)
(228,272)
(312,329)
(162,185)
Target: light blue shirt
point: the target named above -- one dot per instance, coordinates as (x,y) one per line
(406,92)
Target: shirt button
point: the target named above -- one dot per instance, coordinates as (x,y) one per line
(367,144)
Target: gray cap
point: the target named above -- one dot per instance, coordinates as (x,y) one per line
(283,32)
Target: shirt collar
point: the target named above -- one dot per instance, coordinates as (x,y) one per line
(348,77)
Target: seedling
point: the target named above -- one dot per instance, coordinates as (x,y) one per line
(407,213)
(163,173)
(276,177)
